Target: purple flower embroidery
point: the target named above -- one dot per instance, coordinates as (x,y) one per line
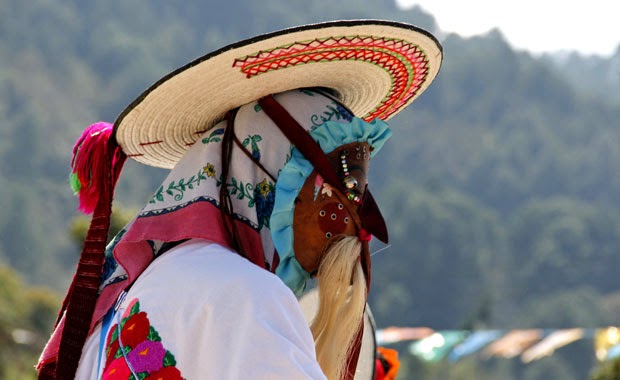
(148,356)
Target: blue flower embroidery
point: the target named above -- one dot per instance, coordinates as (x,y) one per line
(264,196)
(344,113)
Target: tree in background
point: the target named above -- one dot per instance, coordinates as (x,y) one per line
(446,261)
(607,371)
(26,317)
(27,314)
(79,225)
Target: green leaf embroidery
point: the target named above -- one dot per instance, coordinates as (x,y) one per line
(135,309)
(141,376)
(153,335)
(253,140)
(177,189)
(114,335)
(169,360)
(213,137)
(241,190)
(332,113)
(118,354)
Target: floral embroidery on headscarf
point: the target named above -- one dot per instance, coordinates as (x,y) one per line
(177,189)
(253,142)
(209,170)
(214,136)
(264,196)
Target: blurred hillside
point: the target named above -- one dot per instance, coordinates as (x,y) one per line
(500,185)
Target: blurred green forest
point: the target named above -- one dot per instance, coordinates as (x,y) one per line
(500,185)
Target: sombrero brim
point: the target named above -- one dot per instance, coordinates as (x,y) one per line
(376,69)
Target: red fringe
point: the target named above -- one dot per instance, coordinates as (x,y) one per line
(88,164)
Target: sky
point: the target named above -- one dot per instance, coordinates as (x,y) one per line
(589,27)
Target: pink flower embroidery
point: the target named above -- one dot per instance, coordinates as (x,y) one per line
(117,369)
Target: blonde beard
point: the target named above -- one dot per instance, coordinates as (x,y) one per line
(342,298)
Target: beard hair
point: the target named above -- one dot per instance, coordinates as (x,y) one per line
(342,298)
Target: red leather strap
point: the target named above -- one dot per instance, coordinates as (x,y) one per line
(300,138)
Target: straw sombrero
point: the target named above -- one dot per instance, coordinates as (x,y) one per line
(375,68)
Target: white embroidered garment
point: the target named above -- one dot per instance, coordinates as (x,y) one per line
(200,311)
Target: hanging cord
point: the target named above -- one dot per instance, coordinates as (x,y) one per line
(226,206)
(252,158)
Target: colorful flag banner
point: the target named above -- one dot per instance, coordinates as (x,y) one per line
(473,343)
(613,352)
(528,344)
(513,343)
(398,334)
(437,346)
(604,340)
(550,343)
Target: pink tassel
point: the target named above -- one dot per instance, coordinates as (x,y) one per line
(88,165)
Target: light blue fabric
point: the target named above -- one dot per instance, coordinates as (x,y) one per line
(474,342)
(329,136)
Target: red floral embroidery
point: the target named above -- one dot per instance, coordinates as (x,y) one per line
(135,330)
(111,351)
(407,64)
(140,345)
(166,373)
